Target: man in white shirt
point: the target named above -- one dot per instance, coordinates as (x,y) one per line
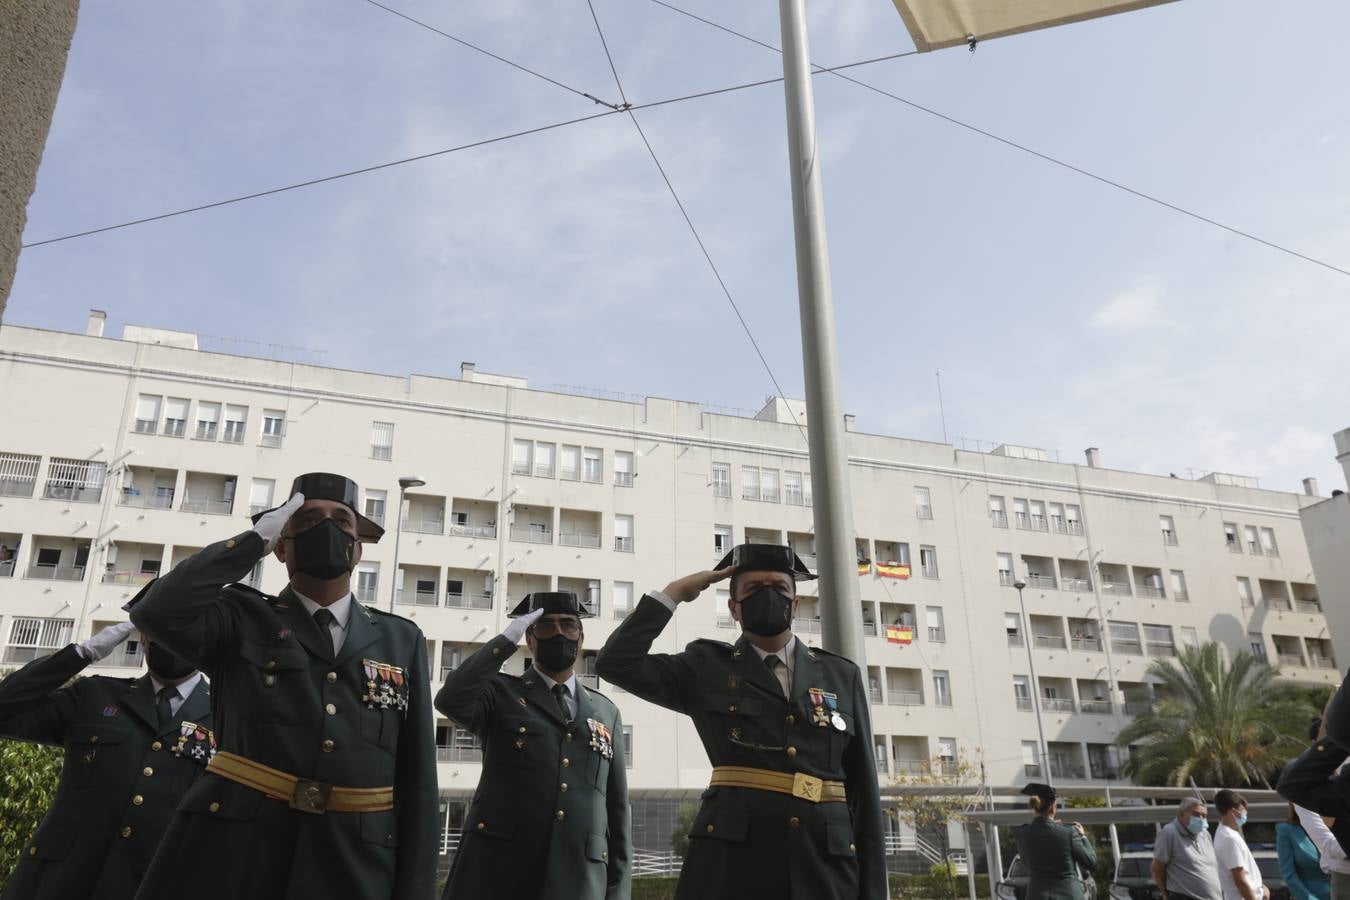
(1238,873)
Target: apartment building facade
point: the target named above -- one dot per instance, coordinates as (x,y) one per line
(120,458)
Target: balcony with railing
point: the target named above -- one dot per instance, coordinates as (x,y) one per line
(1320,655)
(763,536)
(1057,695)
(57,559)
(1288,650)
(1275,594)
(998,518)
(1138,698)
(1115,579)
(1148,583)
(468,588)
(904,687)
(417,586)
(129,655)
(1094,696)
(425,514)
(1075,575)
(1083,635)
(132,563)
(1095,707)
(41,572)
(1047,633)
(208,493)
(1290,659)
(146,488)
(1023,702)
(1306,599)
(473,519)
(1040,572)
(1104,762)
(874,676)
(532,524)
(579,528)
(72,492)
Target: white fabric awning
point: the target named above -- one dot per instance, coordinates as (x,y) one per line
(935,24)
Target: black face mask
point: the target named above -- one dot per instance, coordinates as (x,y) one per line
(165,664)
(557,654)
(324,551)
(767,612)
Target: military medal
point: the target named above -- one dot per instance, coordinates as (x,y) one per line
(836,720)
(602,739)
(819,717)
(385,686)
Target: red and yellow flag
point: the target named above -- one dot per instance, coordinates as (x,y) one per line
(900,634)
(889,570)
(864,567)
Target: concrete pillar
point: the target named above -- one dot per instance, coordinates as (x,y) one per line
(34,42)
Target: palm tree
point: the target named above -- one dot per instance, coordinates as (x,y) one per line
(1221,723)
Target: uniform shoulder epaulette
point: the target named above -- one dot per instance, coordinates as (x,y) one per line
(372,611)
(241,588)
(710,642)
(821,651)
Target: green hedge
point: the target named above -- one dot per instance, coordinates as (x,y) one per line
(903,887)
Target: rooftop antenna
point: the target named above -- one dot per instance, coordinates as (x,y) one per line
(942,413)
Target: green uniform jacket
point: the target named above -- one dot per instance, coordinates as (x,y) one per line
(1312,782)
(283,700)
(123,775)
(1053,853)
(752,843)
(550,816)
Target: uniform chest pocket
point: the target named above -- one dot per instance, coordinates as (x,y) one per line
(522,741)
(380,727)
(93,750)
(270,669)
(734,705)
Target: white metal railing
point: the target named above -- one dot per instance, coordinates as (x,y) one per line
(1057,525)
(1096,707)
(1169,538)
(1148,590)
(655,863)
(1312,605)
(6,568)
(234,433)
(1273,551)
(1006,578)
(1321,662)
(930,571)
(578,539)
(215,506)
(1234,546)
(721,489)
(998,518)
(145,426)
(56,573)
(810,626)
(726,622)
(270,440)
(869,628)
(1075,527)
(937,634)
(1089,644)
(907,766)
(768,496)
(923,512)
(378,451)
(1278,603)
(1116,587)
(366,595)
(467,600)
(128,577)
(415,598)
(134,498)
(1022,521)
(477,531)
(896,697)
(122,659)
(56,490)
(874,695)
(459,754)
(623,479)
(1180,596)
(520,468)
(1127,647)
(1290,659)
(1041,581)
(1015,639)
(793,496)
(17,487)
(1081,585)
(423,526)
(543,470)
(532,535)
(623,544)
(206,431)
(1038,523)
(1137,708)
(1050,641)
(1058,704)
(1253,548)
(750,493)
(175,427)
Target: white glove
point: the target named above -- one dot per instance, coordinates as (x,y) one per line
(516,628)
(269,527)
(101,644)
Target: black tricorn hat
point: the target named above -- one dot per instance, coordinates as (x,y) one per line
(1043,792)
(767,558)
(563,603)
(338,488)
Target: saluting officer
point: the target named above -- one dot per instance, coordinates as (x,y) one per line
(324,783)
(550,816)
(132,749)
(793,809)
(1316,780)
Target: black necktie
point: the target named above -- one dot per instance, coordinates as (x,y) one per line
(162,707)
(325,619)
(773,662)
(560,692)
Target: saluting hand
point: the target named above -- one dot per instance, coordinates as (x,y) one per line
(100,645)
(270,525)
(516,628)
(683,590)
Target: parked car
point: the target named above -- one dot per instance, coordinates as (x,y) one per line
(1014,884)
(1134,879)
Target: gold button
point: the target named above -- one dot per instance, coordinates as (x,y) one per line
(496,651)
(328,746)
(791,752)
(214,807)
(330,709)
(93,739)
(521,729)
(710,828)
(731,708)
(126,831)
(137,800)
(794,822)
(791,718)
(271,664)
(566,762)
(568,736)
(147,771)
(852,848)
(32,851)
(156,746)
(605,856)
(269,680)
(331,676)
(563,786)
(482,825)
(561,815)
(229,545)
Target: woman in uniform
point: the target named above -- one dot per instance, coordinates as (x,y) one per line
(1052,851)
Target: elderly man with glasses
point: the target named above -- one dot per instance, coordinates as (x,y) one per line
(550,816)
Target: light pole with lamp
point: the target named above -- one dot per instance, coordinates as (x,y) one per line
(1035,682)
(407,481)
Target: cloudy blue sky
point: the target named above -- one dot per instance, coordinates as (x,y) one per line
(1061,312)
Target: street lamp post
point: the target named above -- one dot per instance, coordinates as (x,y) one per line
(1035,682)
(407,481)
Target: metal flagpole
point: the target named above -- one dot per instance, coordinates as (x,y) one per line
(841,608)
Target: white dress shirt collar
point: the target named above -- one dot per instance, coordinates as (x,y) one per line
(182,691)
(787,653)
(341,608)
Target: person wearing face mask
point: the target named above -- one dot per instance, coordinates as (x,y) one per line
(549,820)
(132,749)
(1184,867)
(1238,873)
(793,809)
(324,783)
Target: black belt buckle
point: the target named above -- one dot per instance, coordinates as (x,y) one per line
(310,796)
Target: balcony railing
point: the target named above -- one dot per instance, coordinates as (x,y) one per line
(1049,641)
(910,766)
(378,451)
(1169,538)
(1095,707)
(415,598)
(937,635)
(175,427)
(1290,659)
(1015,639)
(1148,590)
(722,621)
(869,628)
(1119,588)
(1137,707)
(1161,649)
(145,426)
(134,498)
(366,595)
(1278,603)
(1233,546)
(1104,773)
(121,659)
(543,470)
(623,479)
(806,626)
(56,573)
(750,493)
(874,695)
(998,518)
(17,487)
(897,697)
(1006,578)
(1180,596)
(623,544)
(923,512)
(721,489)
(1022,521)
(1038,523)
(75,493)
(1057,704)
(469,601)
(459,754)
(214,507)
(423,526)
(270,440)
(1041,581)
(474,531)
(578,539)
(532,535)
(1091,645)
(234,433)
(1321,662)
(128,577)
(1063,771)
(1309,606)
(1023,703)
(1129,648)
(1081,585)
(6,568)
(206,431)
(1074,527)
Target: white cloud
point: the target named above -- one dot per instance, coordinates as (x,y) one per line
(1131,309)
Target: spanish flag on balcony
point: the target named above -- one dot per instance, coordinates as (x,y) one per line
(900,634)
(892,570)
(864,567)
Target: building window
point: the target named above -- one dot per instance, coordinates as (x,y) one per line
(273,426)
(942,689)
(522,457)
(368,583)
(1021,692)
(1125,638)
(1179,586)
(946,749)
(623,598)
(1268,542)
(1073,519)
(623,468)
(628,746)
(30,639)
(1189,637)
(721,540)
(1253,542)
(749,482)
(1057,523)
(768,485)
(923,503)
(1169,530)
(381,440)
(175,416)
(592,465)
(18,474)
(1020,517)
(1038,516)
(1258,644)
(569,462)
(1244,589)
(208,421)
(1230,537)
(1012,626)
(623,534)
(260,495)
(998,516)
(721,479)
(1005,569)
(236,417)
(792,489)
(80,480)
(375,501)
(1031,754)
(928,561)
(543,459)
(147,414)
(936,631)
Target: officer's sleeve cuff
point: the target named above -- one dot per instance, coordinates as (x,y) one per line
(660,597)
